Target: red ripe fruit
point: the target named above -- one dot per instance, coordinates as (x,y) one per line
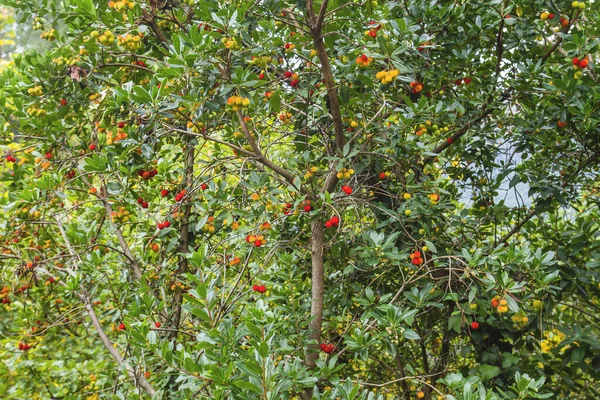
(166,224)
(63,102)
(153,173)
(121,124)
(92,147)
(255,288)
(157,324)
(48,156)
(294,83)
(583,63)
(140,200)
(262,289)
(467,80)
(122,327)
(474,325)
(495,303)
(449,140)
(288,74)
(261,76)
(257,243)
(575,61)
(347,190)
(364,58)
(161,226)
(561,124)
(204,186)
(146,175)
(248,238)
(550,16)
(178,198)
(335,220)
(328,224)
(382,175)
(327,348)
(308,208)
(164,193)
(458,82)
(145,204)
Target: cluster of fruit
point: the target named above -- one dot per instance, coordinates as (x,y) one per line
(121,215)
(265,226)
(327,348)
(387,76)
(286,118)
(416,87)
(310,172)
(237,103)
(438,131)
(26,213)
(257,241)
(163,225)
(209,225)
(333,222)
(49,35)
(231,43)
(179,196)
(143,203)
(364,61)
(353,125)
(384,175)
(106,38)
(546,16)
(259,288)
(147,175)
(36,112)
(286,208)
(434,198)
(578,5)
(24,346)
(578,65)
(293,77)
(121,135)
(131,42)
(95,97)
(260,61)
(289,47)
(416,258)
(10,158)
(460,81)
(38,25)
(501,305)
(345,173)
(196,127)
(35,91)
(552,339)
(520,321)
(121,5)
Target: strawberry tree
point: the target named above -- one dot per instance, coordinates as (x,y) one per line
(301,199)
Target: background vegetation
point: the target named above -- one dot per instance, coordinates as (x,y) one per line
(279,199)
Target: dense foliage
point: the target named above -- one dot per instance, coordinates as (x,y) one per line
(279,199)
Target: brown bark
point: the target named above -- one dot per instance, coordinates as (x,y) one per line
(184,241)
